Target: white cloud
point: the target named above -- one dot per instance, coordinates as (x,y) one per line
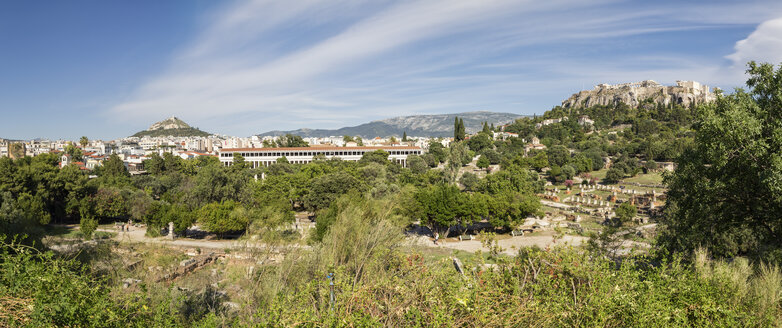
(361,59)
(763,45)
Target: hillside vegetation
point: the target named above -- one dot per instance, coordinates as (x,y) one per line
(714,261)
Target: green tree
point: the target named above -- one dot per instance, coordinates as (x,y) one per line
(483,162)
(417,164)
(154,164)
(223,217)
(84,141)
(290,140)
(614,175)
(540,161)
(74,152)
(404,136)
(114,167)
(87,223)
(726,193)
(558,155)
(437,150)
(378,156)
(327,188)
(625,213)
(470,181)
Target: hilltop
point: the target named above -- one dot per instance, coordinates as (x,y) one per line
(439,125)
(171,126)
(684,93)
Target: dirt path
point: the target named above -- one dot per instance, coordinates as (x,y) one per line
(510,245)
(137,235)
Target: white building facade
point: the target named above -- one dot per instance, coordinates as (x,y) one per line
(257,157)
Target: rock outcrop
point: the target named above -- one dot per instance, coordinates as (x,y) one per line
(170,123)
(171,126)
(684,93)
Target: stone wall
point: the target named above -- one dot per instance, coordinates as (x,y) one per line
(684,93)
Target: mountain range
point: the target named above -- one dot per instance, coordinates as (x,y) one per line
(438,125)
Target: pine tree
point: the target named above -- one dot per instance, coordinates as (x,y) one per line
(404,136)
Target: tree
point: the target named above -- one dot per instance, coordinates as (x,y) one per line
(540,161)
(417,164)
(347,139)
(726,193)
(625,213)
(74,152)
(558,155)
(438,151)
(439,206)
(155,164)
(614,175)
(87,223)
(378,156)
(404,136)
(480,142)
(115,167)
(483,162)
(327,188)
(84,141)
(290,140)
(615,230)
(470,181)
(458,129)
(650,166)
(223,217)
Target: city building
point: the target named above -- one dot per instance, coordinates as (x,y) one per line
(257,157)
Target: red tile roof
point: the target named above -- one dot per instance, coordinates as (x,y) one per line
(316,148)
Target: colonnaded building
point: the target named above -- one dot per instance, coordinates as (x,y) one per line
(257,157)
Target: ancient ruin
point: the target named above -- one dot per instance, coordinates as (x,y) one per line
(684,93)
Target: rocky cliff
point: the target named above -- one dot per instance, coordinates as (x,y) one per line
(171,126)
(684,93)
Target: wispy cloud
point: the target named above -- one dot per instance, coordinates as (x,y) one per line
(291,64)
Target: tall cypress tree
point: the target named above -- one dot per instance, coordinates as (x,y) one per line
(460,131)
(456,128)
(404,136)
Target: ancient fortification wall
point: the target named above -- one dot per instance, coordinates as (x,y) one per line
(684,93)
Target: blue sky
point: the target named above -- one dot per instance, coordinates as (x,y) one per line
(107,69)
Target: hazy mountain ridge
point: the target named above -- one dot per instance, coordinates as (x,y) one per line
(438,125)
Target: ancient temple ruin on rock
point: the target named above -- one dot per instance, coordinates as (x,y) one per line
(684,93)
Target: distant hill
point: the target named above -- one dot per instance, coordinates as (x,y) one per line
(440,125)
(171,126)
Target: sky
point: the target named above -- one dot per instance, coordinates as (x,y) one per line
(107,69)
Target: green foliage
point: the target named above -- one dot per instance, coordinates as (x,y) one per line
(470,181)
(290,140)
(480,142)
(378,156)
(438,151)
(459,132)
(726,193)
(483,162)
(327,188)
(625,213)
(223,217)
(178,132)
(74,152)
(614,175)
